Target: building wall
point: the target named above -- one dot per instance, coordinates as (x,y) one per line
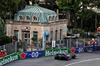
(11,26)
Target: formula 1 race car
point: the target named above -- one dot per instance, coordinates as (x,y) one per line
(65,56)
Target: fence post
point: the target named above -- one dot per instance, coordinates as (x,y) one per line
(26,46)
(40,45)
(70,42)
(60,41)
(67,43)
(3,47)
(63,43)
(84,42)
(32,46)
(76,42)
(16,46)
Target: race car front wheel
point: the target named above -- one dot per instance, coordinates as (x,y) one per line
(66,58)
(56,57)
(73,57)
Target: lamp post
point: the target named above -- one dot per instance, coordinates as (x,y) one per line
(96,20)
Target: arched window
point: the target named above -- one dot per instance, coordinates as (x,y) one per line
(49,18)
(53,18)
(27,18)
(20,17)
(34,18)
(56,17)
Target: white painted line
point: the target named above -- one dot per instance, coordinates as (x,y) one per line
(83,61)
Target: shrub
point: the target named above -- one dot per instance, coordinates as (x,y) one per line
(80,31)
(4,40)
(15,38)
(33,39)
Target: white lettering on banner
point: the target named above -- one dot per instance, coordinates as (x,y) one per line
(11,58)
(35,54)
(49,53)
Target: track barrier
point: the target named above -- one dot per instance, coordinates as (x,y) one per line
(34,54)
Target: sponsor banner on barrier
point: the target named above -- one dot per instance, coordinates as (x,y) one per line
(79,49)
(87,49)
(55,51)
(8,58)
(98,47)
(31,54)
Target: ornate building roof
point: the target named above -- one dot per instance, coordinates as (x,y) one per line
(35,13)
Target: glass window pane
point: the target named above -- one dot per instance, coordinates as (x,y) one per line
(60,33)
(56,35)
(27,18)
(16,33)
(25,35)
(25,40)
(35,34)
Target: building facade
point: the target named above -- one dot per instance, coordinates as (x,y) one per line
(32,21)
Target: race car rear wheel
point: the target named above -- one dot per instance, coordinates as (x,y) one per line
(66,58)
(56,57)
(73,57)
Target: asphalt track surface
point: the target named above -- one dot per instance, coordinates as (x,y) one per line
(82,59)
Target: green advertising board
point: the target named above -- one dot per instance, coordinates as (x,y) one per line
(16,56)
(55,51)
(9,58)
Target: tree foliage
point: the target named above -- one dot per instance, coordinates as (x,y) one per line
(1,27)
(4,40)
(74,6)
(89,18)
(10,7)
(51,4)
(33,39)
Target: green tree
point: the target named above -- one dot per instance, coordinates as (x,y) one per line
(72,7)
(4,40)
(51,4)
(89,19)
(22,4)
(33,39)
(9,7)
(1,27)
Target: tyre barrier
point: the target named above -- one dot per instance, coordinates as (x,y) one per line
(34,54)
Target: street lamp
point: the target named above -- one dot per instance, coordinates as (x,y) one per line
(96,19)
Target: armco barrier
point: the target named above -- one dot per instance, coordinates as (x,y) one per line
(32,54)
(84,49)
(55,51)
(9,58)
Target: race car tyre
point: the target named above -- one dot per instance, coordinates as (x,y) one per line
(56,57)
(73,57)
(59,58)
(66,58)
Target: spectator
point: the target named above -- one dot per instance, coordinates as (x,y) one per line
(64,47)
(5,53)
(47,47)
(56,47)
(1,54)
(37,46)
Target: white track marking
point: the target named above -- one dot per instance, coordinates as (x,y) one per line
(83,61)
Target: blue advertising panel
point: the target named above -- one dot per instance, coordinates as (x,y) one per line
(98,48)
(34,54)
(79,49)
(85,49)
